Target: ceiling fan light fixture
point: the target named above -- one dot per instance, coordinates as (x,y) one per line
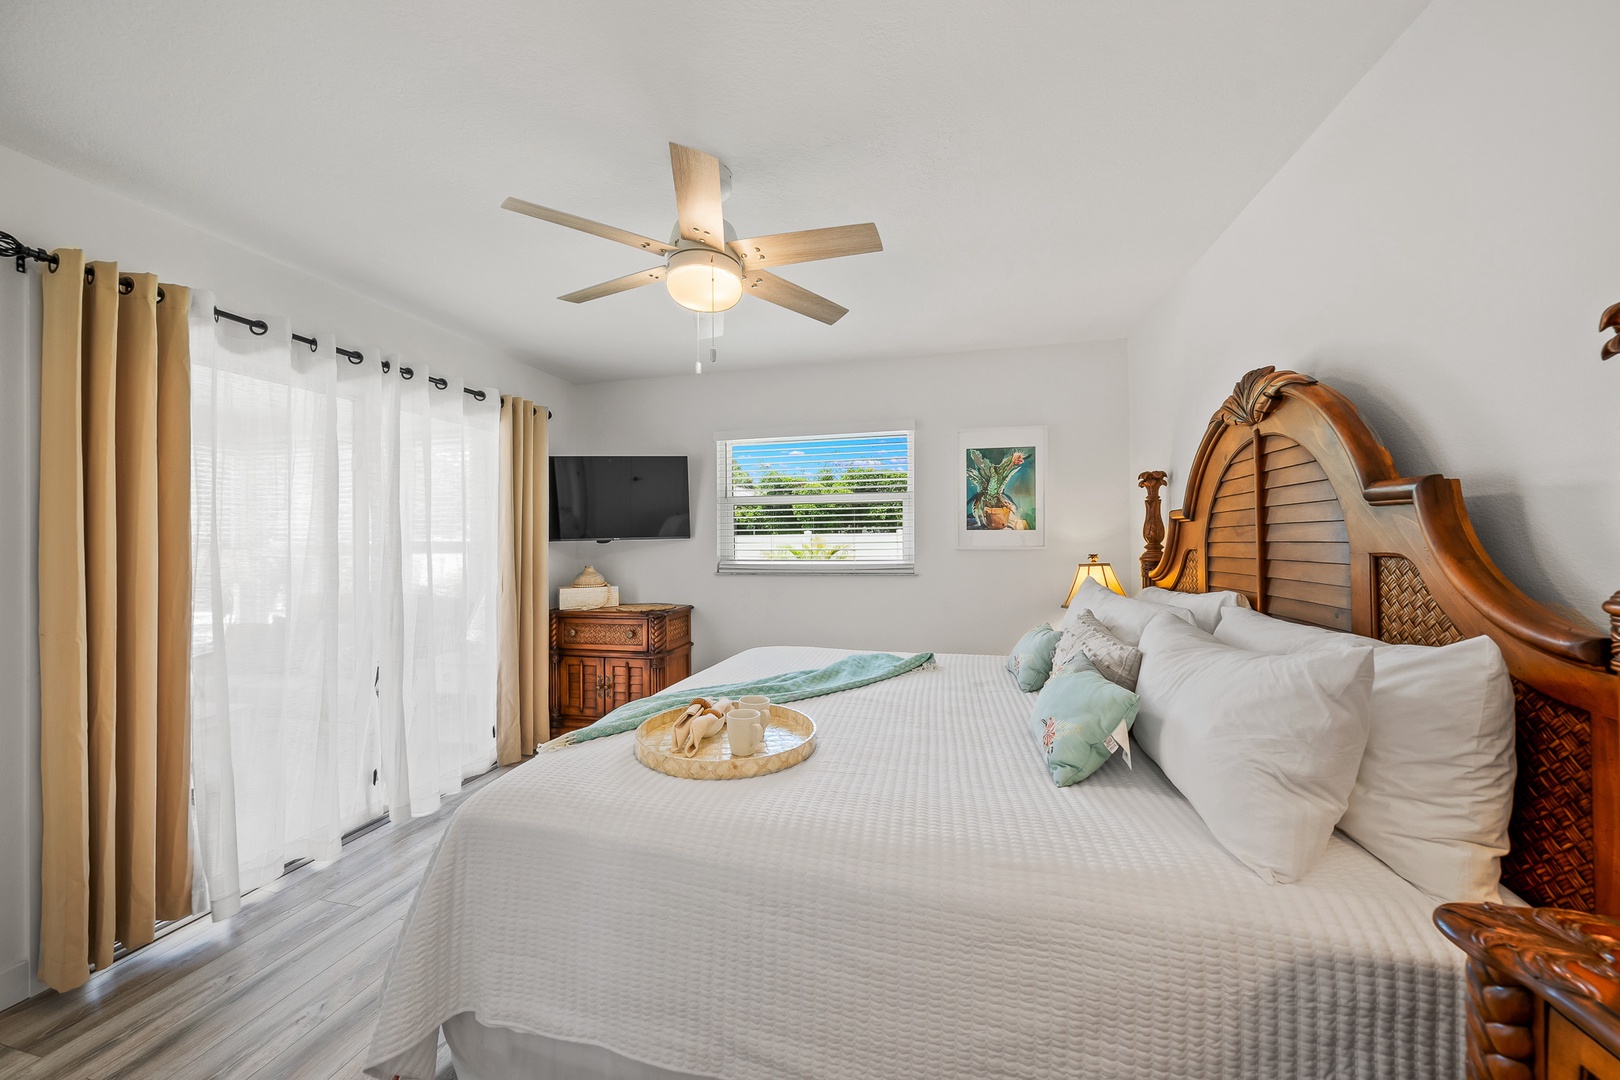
(703,280)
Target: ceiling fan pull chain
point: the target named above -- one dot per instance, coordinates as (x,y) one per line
(710,326)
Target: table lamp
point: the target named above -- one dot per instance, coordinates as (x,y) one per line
(1100,572)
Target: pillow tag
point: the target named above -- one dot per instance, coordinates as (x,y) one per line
(1120,740)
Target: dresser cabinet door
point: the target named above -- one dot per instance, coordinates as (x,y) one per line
(623,680)
(591,686)
(579,686)
(1574,1055)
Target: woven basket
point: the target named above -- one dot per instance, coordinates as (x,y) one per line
(790,738)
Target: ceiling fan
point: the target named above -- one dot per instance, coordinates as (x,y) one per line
(705,267)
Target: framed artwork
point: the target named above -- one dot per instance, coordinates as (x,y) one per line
(1001,488)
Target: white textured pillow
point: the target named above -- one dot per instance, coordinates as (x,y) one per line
(1435,791)
(1206,607)
(1114,660)
(1265,746)
(1124,617)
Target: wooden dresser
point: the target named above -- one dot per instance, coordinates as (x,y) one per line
(604,657)
(1543,991)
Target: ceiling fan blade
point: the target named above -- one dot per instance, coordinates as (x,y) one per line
(784,249)
(697,196)
(784,293)
(595,228)
(617,285)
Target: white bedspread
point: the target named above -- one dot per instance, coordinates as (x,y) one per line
(921,902)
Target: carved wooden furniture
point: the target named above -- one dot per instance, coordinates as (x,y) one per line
(1543,991)
(1292,501)
(1610,320)
(604,657)
(1153,525)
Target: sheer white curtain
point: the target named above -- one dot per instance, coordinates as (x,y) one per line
(440,555)
(344,553)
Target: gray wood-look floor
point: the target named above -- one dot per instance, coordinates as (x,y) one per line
(285,990)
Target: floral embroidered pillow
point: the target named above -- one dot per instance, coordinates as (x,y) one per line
(1077,720)
(1031,658)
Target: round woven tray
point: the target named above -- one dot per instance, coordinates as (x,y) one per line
(790,738)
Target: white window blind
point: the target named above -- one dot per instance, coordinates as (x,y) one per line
(839,503)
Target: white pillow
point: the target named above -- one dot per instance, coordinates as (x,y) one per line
(1205,607)
(1124,617)
(1265,746)
(1434,794)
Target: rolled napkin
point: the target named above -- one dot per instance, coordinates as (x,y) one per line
(703,719)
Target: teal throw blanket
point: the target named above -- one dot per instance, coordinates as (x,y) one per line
(860,669)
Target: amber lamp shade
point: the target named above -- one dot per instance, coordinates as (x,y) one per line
(1100,572)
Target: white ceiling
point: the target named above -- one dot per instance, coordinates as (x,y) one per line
(1040,171)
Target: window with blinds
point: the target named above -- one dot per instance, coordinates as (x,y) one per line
(834,504)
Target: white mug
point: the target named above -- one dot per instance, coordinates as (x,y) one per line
(757,701)
(745,732)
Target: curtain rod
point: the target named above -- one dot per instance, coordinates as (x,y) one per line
(12,248)
(259,327)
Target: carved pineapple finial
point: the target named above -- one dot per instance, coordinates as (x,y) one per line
(1153,523)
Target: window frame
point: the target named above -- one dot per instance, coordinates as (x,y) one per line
(726,561)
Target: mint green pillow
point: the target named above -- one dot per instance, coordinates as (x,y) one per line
(1031,658)
(1073,718)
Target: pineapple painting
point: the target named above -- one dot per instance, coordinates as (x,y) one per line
(1001,487)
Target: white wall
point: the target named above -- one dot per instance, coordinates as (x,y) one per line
(958,601)
(1440,250)
(45,207)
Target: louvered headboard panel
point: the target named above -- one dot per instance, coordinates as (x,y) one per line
(1292,501)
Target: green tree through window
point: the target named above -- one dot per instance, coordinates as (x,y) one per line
(820,495)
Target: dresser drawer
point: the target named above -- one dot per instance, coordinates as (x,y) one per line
(600,633)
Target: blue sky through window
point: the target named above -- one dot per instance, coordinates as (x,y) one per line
(807,457)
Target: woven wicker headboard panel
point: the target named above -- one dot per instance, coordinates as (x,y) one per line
(1293,501)
(1551,860)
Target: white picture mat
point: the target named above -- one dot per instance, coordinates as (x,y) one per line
(1001,539)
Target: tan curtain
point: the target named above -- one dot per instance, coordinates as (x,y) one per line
(114,641)
(523,719)
(174,870)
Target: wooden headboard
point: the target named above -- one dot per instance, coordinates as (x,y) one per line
(1294,502)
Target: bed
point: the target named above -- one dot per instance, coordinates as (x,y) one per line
(918,900)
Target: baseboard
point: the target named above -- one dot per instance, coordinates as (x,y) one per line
(16,984)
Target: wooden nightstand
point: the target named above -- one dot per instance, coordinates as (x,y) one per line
(1543,991)
(604,657)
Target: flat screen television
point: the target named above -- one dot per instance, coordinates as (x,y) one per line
(619,498)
